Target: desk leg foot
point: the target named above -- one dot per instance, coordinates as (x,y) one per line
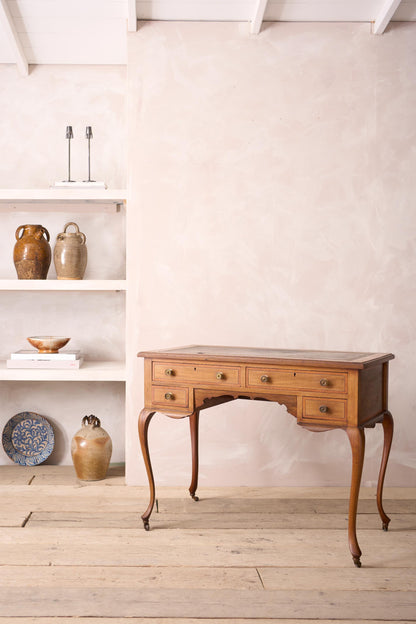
(357,441)
(145,417)
(388,426)
(194,426)
(357,562)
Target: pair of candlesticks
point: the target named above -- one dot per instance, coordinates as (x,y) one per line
(70,135)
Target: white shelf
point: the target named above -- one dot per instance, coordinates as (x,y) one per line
(89,371)
(51,284)
(62,199)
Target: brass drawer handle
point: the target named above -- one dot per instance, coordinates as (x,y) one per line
(220,375)
(169,372)
(324,382)
(323,409)
(264,378)
(169,396)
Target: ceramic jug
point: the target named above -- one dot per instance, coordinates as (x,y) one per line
(91,450)
(32,252)
(70,253)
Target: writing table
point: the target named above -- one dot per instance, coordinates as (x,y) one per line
(323,390)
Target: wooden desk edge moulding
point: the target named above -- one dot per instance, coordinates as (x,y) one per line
(323,390)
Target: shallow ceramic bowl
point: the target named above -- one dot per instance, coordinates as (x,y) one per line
(48,344)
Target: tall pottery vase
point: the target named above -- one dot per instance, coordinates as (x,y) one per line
(70,254)
(91,450)
(32,252)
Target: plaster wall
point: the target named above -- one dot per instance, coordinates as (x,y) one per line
(272,184)
(35,111)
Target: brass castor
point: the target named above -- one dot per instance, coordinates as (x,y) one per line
(385,526)
(357,562)
(146,525)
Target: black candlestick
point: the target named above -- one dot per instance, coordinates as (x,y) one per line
(89,136)
(69,135)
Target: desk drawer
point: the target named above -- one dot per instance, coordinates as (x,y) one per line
(296,380)
(170,397)
(196,373)
(323,410)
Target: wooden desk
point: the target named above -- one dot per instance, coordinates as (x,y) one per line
(323,390)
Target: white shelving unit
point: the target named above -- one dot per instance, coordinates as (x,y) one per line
(67,200)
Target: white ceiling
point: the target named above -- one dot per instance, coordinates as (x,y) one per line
(95,31)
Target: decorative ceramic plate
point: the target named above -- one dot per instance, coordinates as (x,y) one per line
(28,439)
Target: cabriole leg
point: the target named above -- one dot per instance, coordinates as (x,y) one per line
(194,426)
(357,441)
(144,419)
(388,426)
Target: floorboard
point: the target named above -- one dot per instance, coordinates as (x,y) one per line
(189,602)
(181,620)
(202,520)
(130,577)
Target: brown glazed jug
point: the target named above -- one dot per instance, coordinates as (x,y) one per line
(70,254)
(32,252)
(91,450)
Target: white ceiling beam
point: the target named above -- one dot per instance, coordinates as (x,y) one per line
(131,16)
(7,20)
(258,16)
(385,15)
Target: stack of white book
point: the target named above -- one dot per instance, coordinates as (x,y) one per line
(30,358)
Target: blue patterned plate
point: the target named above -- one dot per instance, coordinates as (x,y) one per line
(28,439)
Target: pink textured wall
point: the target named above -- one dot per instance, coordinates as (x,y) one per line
(272,183)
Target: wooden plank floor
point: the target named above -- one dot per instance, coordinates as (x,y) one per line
(72,552)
